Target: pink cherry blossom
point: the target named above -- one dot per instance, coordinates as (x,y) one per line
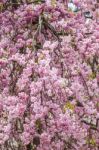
(49,75)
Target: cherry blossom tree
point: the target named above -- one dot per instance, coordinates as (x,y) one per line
(49,75)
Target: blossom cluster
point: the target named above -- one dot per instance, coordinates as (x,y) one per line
(49,75)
